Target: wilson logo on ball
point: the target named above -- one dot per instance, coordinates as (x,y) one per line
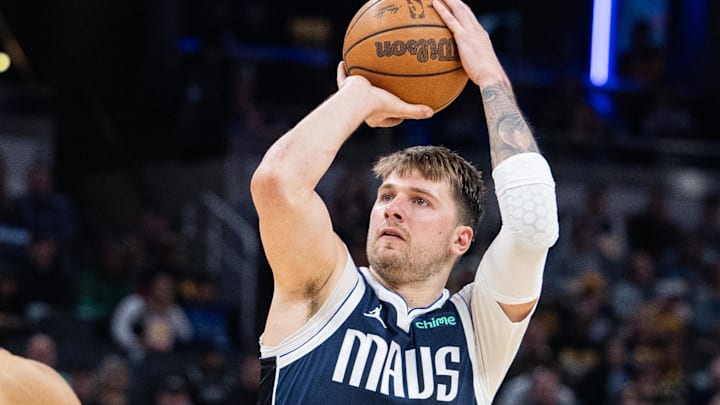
(405,48)
(443,50)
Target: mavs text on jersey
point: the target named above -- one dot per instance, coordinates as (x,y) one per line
(365,346)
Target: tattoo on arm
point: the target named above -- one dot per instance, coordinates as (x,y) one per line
(508,130)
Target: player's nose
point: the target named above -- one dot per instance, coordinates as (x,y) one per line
(394,210)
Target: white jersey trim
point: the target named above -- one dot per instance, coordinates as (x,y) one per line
(466,318)
(497,338)
(336,309)
(405,315)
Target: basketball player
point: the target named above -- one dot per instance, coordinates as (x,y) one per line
(391,333)
(28,382)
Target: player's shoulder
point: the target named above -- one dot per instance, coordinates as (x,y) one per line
(465,293)
(25,381)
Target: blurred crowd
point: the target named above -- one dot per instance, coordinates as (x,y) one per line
(630,311)
(123,318)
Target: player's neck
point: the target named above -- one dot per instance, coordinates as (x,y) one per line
(416,294)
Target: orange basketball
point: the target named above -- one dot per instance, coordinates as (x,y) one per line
(404,47)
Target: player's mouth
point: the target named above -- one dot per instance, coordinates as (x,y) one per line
(391,233)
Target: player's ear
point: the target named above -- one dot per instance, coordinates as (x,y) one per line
(462,240)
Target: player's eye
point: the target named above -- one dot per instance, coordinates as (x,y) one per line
(421,201)
(386,197)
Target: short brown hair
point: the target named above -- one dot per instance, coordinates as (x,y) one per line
(437,163)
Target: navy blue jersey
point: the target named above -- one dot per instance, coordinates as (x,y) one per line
(365,346)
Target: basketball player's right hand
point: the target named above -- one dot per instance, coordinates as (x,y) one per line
(473,41)
(386,109)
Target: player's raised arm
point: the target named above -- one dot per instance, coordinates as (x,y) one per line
(297,235)
(513,265)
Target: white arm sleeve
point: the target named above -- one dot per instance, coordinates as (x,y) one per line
(511,270)
(513,264)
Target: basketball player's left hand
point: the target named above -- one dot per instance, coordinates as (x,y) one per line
(476,51)
(386,109)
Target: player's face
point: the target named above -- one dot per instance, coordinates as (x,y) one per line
(411,228)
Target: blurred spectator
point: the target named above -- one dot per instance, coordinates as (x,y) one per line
(684,261)
(13,237)
(604,384)
(46,279)
(631,395)
(42,209)
(706,307)
(207,315)
(461,128)
(536,348)
(83,381)
(643,62)
(606,225)
(207,104)
(655,347)
(211,380)
(595,242)
(247,392)
(114,381)
(539,386)
(41,347)
(101,289)
(12,304)
(587,323)
(164,248)
(666,117)
(634,288)
(251,128)
(708,228)
(5,200)
(173,390)
(349,210)
(652,229)
(705,386)
(585,131)
(153,321)
(673,306)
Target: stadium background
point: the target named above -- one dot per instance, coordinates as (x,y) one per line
(143,120)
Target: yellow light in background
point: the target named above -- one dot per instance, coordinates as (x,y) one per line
(4,62)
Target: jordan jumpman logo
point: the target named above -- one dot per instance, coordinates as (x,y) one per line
(375,314)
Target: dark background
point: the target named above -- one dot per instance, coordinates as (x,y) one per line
(150,104)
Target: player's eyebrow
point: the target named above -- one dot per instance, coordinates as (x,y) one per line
(414,189)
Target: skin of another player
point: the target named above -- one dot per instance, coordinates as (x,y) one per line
(28,382)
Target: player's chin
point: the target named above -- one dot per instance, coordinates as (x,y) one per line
(384,251)
(390,243)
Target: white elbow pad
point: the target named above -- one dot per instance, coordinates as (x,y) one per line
(526,197)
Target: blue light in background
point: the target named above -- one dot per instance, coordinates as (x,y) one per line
(600,46)
(188,44)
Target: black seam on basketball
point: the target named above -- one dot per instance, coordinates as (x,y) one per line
(351,68)
(392,29)
(357,17)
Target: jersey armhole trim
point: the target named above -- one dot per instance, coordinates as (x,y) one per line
(326,321)
(463,308)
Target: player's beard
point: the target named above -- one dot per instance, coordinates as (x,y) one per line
(405,266)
